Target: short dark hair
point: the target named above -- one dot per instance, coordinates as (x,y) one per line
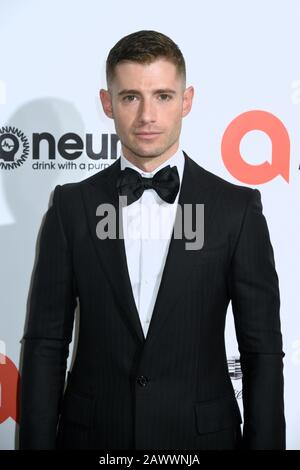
(144,47)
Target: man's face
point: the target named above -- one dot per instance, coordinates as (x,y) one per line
(147,103)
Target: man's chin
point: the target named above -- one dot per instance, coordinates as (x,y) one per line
(147,153)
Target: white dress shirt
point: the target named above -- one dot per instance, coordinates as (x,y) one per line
(147,227)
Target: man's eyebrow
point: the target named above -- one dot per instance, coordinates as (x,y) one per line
(136,92)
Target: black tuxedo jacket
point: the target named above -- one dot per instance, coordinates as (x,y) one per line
(171,390)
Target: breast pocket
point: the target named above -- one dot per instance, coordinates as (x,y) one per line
(214,254)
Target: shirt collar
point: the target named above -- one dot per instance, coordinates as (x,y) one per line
(177,159)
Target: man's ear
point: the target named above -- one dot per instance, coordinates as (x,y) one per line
(105,98)
(187,100)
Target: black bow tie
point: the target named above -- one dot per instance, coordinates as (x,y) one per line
(132,184)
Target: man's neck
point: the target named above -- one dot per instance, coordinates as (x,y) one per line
(149,164)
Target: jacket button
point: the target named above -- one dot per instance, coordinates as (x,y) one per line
(142,380)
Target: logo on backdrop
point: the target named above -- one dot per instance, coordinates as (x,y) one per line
(266,122)
(14,148)
(50,153)
(9,389)
(235,373)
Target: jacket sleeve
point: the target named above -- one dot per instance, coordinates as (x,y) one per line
(256,305)
(47,335)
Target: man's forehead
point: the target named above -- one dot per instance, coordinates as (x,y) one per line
(156,75)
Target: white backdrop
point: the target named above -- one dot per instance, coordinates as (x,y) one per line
(240,56)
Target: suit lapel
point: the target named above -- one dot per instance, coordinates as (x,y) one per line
(101,189)
(179,262)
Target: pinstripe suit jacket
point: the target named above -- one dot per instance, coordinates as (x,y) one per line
(171,390)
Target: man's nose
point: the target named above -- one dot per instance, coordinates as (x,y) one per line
(147,111)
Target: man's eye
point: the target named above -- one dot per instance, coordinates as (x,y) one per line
(129,97)
(165,97)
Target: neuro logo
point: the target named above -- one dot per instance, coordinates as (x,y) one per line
(14,148)
(9,389)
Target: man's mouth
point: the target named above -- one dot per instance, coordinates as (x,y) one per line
(147,135)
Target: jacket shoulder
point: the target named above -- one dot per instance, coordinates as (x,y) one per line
(70,192)
(231,192)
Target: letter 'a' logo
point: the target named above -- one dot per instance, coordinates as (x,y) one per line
(230,148)
(9,389)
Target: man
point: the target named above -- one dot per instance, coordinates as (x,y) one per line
(150,370)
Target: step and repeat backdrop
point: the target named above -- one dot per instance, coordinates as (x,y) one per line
(242,59)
